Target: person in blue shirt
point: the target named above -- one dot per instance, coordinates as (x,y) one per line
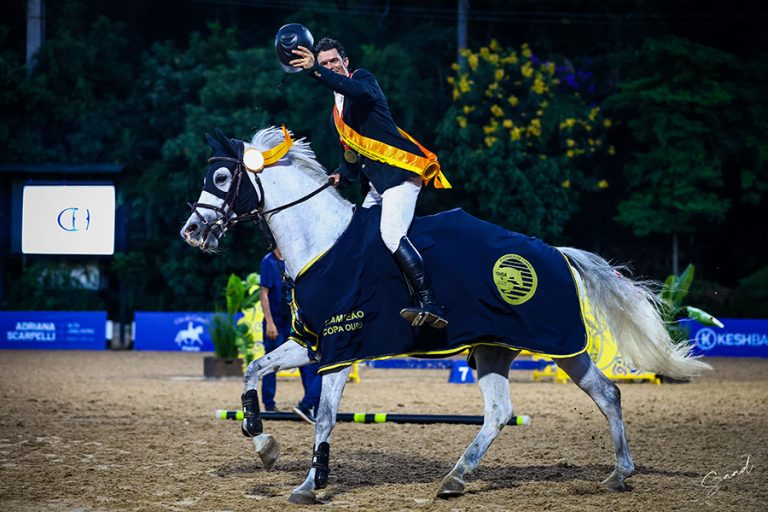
(276,329)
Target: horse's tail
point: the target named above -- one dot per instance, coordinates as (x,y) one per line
(631,310)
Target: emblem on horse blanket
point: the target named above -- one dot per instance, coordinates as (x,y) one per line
(497,287)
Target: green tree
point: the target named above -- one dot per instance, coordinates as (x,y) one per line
(684,115)
(520,141)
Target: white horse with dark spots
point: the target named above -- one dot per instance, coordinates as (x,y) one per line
(278,181)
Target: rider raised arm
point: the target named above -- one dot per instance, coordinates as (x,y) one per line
(394,164)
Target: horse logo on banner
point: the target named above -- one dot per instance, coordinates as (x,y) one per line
(190,335)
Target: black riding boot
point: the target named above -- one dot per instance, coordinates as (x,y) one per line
(429,311)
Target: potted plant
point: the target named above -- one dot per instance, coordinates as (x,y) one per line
(230,339)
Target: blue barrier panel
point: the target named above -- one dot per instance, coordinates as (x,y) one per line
(176,331)
(739,338)
(49,330)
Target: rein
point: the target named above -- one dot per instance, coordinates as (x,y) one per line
(230,218)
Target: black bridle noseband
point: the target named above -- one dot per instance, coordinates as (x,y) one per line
(228,216)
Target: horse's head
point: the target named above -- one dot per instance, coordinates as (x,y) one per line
(224,200)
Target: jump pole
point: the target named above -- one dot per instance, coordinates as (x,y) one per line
(381,417)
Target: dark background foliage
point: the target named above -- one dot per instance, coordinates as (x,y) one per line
(140,83)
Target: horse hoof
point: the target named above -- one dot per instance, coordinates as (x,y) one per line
(268,449)
(615,483)
(451,487)
(303,498)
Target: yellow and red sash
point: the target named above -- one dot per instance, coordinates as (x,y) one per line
(427,167)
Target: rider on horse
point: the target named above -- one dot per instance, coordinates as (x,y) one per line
(393,163)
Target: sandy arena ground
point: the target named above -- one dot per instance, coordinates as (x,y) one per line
(135,431)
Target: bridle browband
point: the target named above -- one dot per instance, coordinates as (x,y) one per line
(227,211)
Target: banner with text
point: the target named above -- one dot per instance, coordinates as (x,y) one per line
(175,331)
(739,338)
(53,330)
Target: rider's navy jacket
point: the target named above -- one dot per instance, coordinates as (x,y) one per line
(366,111)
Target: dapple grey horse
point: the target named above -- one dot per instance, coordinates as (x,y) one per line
(279,181)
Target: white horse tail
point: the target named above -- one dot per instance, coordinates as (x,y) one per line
(631,310)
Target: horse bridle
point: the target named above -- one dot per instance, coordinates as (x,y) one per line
(228,217)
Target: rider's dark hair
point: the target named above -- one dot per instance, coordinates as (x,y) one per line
(327,43)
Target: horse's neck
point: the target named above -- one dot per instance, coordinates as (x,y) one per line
(306,230)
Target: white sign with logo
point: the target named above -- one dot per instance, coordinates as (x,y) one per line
(68,219)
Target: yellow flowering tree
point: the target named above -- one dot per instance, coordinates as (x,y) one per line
(520,139)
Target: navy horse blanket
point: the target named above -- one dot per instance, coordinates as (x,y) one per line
(497,287)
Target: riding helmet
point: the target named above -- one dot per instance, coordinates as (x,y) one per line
(288,38)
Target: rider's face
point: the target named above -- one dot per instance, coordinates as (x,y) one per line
(330,59)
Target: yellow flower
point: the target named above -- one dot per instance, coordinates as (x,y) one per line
(464,83)
(544,104)
(570,143)
(461,121)
(539,87)
(607,123)
(451,80)
(507,123)
(568,123)
(566,184)
(472,60)
(570,153)
(512,100)
(455,66)
(542,157)
(591,141)
(456,94)
(510,59)
(593,113)
(499,74)
(549,68)
(602,184)
(468,109)
(526,70)
(497,111)
(491,127)
(515,133)
(526,51)
(534,129)
(494,45)
(490,141)
(465,52)
(485,52)
(611,150)
(539,112)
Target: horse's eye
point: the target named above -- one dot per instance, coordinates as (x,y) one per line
(220,179)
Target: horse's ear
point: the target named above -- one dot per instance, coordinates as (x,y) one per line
(216,146)
(228,144)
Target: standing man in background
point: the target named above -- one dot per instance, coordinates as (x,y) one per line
(276,329)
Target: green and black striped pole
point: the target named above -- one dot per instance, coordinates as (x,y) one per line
(381,417)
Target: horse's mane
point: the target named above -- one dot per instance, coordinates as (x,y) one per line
(301,153)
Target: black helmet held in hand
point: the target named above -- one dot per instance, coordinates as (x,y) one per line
(288,38)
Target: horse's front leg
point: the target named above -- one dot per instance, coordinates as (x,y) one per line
(288,355)
(492,370)
(325,420)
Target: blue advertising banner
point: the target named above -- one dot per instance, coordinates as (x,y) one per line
(739,338)
(176,331)
(53,330)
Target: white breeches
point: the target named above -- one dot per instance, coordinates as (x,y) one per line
(397,207)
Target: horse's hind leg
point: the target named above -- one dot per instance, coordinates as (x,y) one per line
(608,399)
(492,371)
(325,420)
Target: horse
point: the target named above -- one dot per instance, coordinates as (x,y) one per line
(278,181)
